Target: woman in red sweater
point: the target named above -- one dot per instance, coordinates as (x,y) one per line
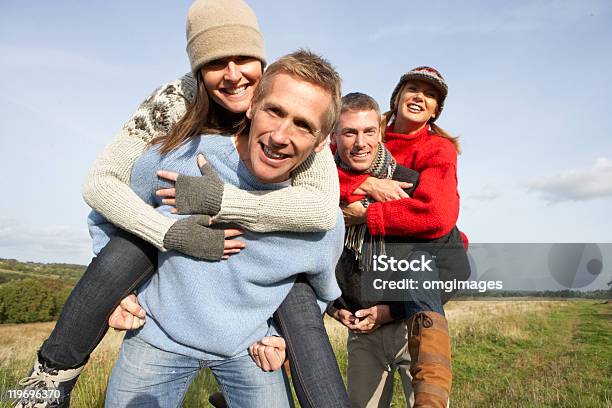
(417,143)
(430,214)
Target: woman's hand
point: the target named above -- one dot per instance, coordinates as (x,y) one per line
(354,213)
(383,189)
(232,246)
(269,353)
(194,237)
(128,315)
(193,195)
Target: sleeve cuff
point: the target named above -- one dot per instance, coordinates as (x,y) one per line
(397,310)
(235,207)
(375,219)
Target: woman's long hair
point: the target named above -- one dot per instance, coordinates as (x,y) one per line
(203,115)
(388,116)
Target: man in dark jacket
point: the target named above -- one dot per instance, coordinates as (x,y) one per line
(381,322)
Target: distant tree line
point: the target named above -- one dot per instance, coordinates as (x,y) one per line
(563,294)
(67,272)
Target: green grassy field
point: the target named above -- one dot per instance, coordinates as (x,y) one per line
(560,356)
(512,353)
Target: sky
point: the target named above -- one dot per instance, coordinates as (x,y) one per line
(528,95)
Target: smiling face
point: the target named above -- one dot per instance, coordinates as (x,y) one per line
(418,102)
(231,81)
(285,127)
(357,137)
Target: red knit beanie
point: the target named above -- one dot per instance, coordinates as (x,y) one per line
(427,74)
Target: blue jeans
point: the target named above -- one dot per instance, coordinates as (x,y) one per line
(145,376)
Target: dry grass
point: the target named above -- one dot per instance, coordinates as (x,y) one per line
(18,345)
(506,317)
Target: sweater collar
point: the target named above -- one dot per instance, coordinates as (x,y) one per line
(418,135)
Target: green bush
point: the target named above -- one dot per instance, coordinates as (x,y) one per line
(32,300)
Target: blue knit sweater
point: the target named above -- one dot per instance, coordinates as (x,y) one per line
(215,310)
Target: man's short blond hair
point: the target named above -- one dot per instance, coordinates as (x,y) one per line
(310,67)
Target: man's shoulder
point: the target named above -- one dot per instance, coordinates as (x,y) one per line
(336,234)
(326,238)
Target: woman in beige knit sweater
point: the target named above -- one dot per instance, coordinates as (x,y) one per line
(227,56)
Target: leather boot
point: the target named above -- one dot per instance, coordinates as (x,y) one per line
(430,353)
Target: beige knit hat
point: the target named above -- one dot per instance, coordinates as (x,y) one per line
(222,28)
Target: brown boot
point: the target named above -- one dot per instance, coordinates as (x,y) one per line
(430,355)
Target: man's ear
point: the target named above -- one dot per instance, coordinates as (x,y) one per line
(250,111)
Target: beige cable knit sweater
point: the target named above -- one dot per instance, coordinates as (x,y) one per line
(310,204)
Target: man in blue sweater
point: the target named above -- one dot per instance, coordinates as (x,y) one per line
(203,313)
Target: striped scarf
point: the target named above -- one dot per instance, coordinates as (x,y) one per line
(358,238)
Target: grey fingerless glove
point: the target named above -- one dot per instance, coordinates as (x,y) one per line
(194,237)
(199,195)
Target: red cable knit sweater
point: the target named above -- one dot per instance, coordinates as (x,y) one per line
(433,209)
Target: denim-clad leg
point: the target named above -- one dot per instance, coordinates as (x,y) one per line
(124,263)
(145,376)
(314,369)
(245,385)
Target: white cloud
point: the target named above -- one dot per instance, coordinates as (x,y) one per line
(576,185)
(57,243)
